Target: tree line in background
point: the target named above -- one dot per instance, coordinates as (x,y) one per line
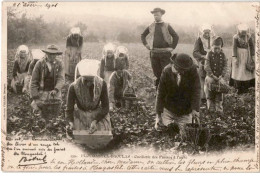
(22,29)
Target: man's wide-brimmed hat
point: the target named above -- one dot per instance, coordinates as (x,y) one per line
(52,49)
(182,61)
(158,10)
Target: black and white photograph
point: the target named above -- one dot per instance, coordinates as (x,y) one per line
(130,86)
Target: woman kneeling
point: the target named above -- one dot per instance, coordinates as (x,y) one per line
(87,100)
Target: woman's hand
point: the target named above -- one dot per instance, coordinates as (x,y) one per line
(221,80)
(130,84)
(196,115)
(71,125)
(93,127)
(53,92)
(214,77)
(148,47)
(111,106)
(39,103)
(236,61)
(16,78)
(24,90)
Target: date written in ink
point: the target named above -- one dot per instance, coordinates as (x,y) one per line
(35,4)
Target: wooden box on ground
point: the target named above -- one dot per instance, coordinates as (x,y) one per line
(98,139)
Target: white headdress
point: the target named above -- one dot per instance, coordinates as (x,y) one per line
(108,47)
(22,48)
(206,27)
(90,67)
(87,67)
(123,50)
(23,62)
(205,43)
(243,27)
(75,30)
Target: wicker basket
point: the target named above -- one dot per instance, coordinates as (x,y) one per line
(197,135)
(219,87)
(129,97)
(19,88)
(51,109)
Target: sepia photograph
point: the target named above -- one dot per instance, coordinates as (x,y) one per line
(130,86)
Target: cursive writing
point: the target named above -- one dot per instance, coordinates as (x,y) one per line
(24,161)
(35,4)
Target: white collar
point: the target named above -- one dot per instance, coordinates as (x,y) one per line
(174,70)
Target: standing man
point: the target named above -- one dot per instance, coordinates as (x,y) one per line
(162,41)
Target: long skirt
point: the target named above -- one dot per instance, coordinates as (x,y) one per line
(20,80)
(27,83)
(168,118)
(82,121)
(241,78)
(72,57)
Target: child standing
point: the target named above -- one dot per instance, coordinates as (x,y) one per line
(118,82)
(216,69)
(107,62)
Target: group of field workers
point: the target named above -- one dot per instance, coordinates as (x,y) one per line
(97,87)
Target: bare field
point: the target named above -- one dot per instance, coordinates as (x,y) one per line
(134,127)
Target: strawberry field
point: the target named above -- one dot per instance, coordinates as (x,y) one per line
(134,127)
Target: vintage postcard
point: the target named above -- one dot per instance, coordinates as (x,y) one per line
(130,86)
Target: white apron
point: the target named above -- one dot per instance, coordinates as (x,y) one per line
(72,57)
(107,75)
(239,71)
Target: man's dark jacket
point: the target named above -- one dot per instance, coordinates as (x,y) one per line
(182,99)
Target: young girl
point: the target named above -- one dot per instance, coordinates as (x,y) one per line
(107,62)
(216,69)
(21,66)
(118,82)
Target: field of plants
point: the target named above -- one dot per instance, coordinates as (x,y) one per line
(135,127)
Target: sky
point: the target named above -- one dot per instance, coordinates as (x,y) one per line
(181,13)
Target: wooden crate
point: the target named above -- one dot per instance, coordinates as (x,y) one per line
(98,139)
